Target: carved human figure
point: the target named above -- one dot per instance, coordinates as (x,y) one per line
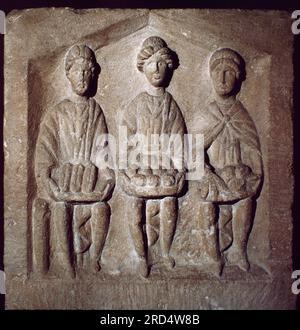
(233,172)
(70,213)
(153,189)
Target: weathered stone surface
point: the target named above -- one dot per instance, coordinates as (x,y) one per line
(75,231)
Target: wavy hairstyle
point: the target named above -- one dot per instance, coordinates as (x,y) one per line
(156,45)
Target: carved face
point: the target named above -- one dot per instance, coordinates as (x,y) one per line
(80,76)
(156,70)
(224,79)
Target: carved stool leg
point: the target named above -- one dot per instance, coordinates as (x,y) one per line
(135,209)
(40,236)
(99,225)
(241,225)
(168,219)
(61,220)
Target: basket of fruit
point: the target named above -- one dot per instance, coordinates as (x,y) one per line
(148,183)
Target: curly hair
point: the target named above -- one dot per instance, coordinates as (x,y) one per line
(80,51)
(156,45)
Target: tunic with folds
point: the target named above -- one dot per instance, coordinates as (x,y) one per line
(230,138)
(69,133)
(148,115)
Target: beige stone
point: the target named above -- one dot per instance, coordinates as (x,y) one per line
(79,235)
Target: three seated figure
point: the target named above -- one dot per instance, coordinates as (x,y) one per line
(70,214)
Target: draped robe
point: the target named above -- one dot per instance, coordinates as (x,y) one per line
(148,115)
(233,142)
(72,133)
(230,138)
(160,115)
(69,133)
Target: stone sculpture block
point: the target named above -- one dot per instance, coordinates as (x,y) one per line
(84,231)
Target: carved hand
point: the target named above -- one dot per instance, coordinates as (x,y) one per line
(104,180)
(54,190)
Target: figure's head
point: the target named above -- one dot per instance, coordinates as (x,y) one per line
(227,71)
(157,61)
(81,68)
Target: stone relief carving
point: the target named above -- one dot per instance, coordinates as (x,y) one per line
(233,169)
(153,191)
(233,216)
(70,213)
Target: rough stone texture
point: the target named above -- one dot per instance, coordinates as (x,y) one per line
(35,46)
